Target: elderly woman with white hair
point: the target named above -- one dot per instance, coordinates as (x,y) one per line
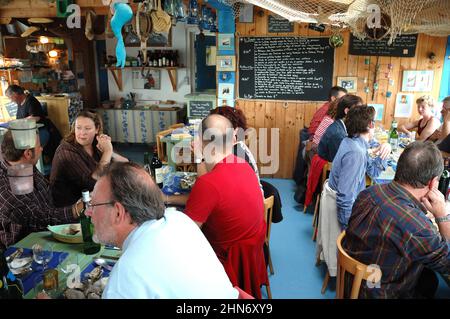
(427,124)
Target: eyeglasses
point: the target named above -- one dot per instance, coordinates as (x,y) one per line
(91,206)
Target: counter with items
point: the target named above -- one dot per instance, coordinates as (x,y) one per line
(141,124)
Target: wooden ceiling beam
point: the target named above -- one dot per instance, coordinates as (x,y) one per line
(41,9)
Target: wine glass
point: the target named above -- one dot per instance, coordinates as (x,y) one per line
(42,254)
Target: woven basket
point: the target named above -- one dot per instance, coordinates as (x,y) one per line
(160,19)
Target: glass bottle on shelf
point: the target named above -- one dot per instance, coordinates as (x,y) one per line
(139,59)
(156,168)
(164,58)
(155,58)
(87,228)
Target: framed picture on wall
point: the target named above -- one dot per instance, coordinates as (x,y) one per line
(348,82)
(225,41)
(226,91)
(379,110)
(226,63)
(417,81)
(404,105)
(148,79)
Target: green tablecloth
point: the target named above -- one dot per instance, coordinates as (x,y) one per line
(72,249)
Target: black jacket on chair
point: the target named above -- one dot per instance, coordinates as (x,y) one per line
(269,190)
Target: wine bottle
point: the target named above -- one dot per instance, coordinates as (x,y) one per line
(444,182)
(393,136)
(87,228)
(156,169)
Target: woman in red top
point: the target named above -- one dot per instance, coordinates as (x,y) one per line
(428,124)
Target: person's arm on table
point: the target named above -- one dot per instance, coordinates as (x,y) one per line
(406,128)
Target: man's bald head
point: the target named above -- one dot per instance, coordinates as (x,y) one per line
(217,129)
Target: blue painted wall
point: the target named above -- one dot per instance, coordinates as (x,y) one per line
(445,82)
(100,47)
(205,74)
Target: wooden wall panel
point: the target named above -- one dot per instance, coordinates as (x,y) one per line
(291,116)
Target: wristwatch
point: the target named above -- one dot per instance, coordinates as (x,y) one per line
(446,218)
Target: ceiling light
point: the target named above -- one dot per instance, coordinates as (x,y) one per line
(43,39)
(53,53)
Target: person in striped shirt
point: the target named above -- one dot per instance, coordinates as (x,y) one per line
(389,227)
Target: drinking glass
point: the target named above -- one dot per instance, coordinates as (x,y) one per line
(42,254)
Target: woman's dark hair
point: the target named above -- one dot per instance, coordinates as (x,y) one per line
(346,102)
(236,116)
(358,120)
(70,138)
(332,108)
(419,163)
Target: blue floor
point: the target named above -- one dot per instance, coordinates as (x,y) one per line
(291,246)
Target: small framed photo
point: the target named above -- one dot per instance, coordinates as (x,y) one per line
(417,81)
(350,83)
(225,41)
(226,91)
(226,63)
(148,79)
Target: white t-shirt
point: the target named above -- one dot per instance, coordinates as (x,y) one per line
(168,258)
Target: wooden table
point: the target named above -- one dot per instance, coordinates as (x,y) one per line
(83,261)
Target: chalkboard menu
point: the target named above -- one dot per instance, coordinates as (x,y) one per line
(279,25)
(200,109)
(285,68)
(403,46)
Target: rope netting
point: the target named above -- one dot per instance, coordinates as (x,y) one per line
(397,16)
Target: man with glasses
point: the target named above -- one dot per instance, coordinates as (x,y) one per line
(165,254)
(21,215)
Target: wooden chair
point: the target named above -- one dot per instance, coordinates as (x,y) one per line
(268,208)
(359,271)
(178,125)
(315,223)
(160,147)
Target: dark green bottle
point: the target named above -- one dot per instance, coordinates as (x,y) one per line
(393,136)
(87,228)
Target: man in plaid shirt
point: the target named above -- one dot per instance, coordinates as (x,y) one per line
(23,214)
(389,227)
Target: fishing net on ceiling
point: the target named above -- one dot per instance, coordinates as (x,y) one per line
(398,16)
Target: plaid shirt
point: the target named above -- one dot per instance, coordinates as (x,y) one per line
(388,227)
(24,214)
